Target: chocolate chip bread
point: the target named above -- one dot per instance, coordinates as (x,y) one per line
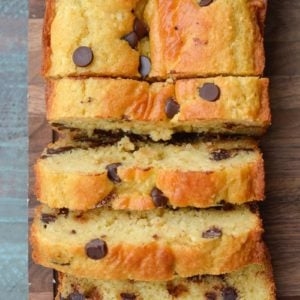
(141,176)
(153,38)
(249,283)
(231,105)
(155,245)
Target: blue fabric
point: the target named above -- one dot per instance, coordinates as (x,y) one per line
(13,149)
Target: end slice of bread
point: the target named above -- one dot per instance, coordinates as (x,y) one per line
(248,283)
(149,246)
(143,176)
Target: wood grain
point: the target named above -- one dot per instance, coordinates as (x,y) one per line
(281,146)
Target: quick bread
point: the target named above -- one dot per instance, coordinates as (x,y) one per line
(240,105)
(153,39)
(142,176)
(149,246)
(249,283)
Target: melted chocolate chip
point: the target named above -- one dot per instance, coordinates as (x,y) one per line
(145,66)
(212,233)
(220,154)
(209,92)
(76,296)
(210,296)
(229,293)
(64,212)
(83,56)
(127,296)
(132,39)
(96,249)
(176,290)
(60,150)
(205,2)
(158,198)
(48,218)
(172,108)
(140,28)
(112,172)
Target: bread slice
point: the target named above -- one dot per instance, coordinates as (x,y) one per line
(156,245)
(190,38)
(142,176)
(171,38)
(162,108)
(249,283)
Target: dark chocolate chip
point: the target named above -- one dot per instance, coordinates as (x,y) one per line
(176,290)
(212,233)
(83,56)
(60,150)
(140,28)
(158,198)
(112,172)
(48,218)
(220,154)
(172,108)
(64,211)
(205,2)
(132,39)
(127,296)
(73,231)
(209,92)
(145,66)
(229,293)
(76,296)
(210,296)
(96,249)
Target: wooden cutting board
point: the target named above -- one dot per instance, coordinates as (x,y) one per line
(281,146)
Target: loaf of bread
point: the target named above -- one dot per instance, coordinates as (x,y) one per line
(187,38)
(154,245)
(228,105)
(249,283)
(140,176)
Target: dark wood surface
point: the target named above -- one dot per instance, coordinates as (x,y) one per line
(281,146)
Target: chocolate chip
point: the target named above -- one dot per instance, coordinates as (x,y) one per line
(209,92)
(229,293)
(176,290)
(145,66)
(210,296)
(48,218)
(73,231)
(112,172)
(106,200)
(132,39)
(127,296)
(171,108)
(76,296)
(212,233)
(205,2)
(158,198)
(140,28)
(220,154)
(64,212)
(60,150)
(96,249)
(83,56)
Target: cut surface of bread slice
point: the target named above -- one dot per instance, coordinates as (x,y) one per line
(153,38)
(140,176)
(156,245)
(227,105)
(249,283)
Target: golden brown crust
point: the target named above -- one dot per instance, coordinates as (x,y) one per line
(187,40)
(77,191)
(46,37)
(243,104)
(153,261)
